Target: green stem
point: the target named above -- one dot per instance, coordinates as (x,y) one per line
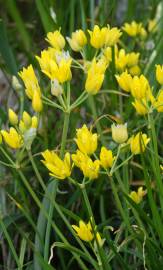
(115,161)
(79,100)
(64,134)
(51,103)
(123,163)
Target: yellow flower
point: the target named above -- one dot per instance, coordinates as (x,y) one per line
(121,59)
(89,168)
(135,70)
(79,158)
(108,54)
(141,106)
(78,40)
(132,29)
(124,81)
(64,71)
(47,62)
(133,59)
(56,65)
(30,81)
(37,102)
(94,83)
(12,138)
(56,40)
(106,158)
(84,231)
(159,73)
(140,87)
(97,36)
(86,141)
(119,133)
(137,196)
(58,168)
(138,143)
(95,76)
(13,118)
(112,36)
(158,104)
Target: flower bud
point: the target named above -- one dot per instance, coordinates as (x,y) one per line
(29,136)
(119,133)
(13,118)
(56,40)
(34,122)
(22,127)
(15,83)
(37,102)
(56,88)
(26,119)
(106,158)
(124,80)
(77,41)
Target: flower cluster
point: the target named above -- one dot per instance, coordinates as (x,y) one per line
(23,132)
(87,145)
(139,87)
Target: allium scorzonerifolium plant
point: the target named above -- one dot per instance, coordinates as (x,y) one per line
(106,151)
